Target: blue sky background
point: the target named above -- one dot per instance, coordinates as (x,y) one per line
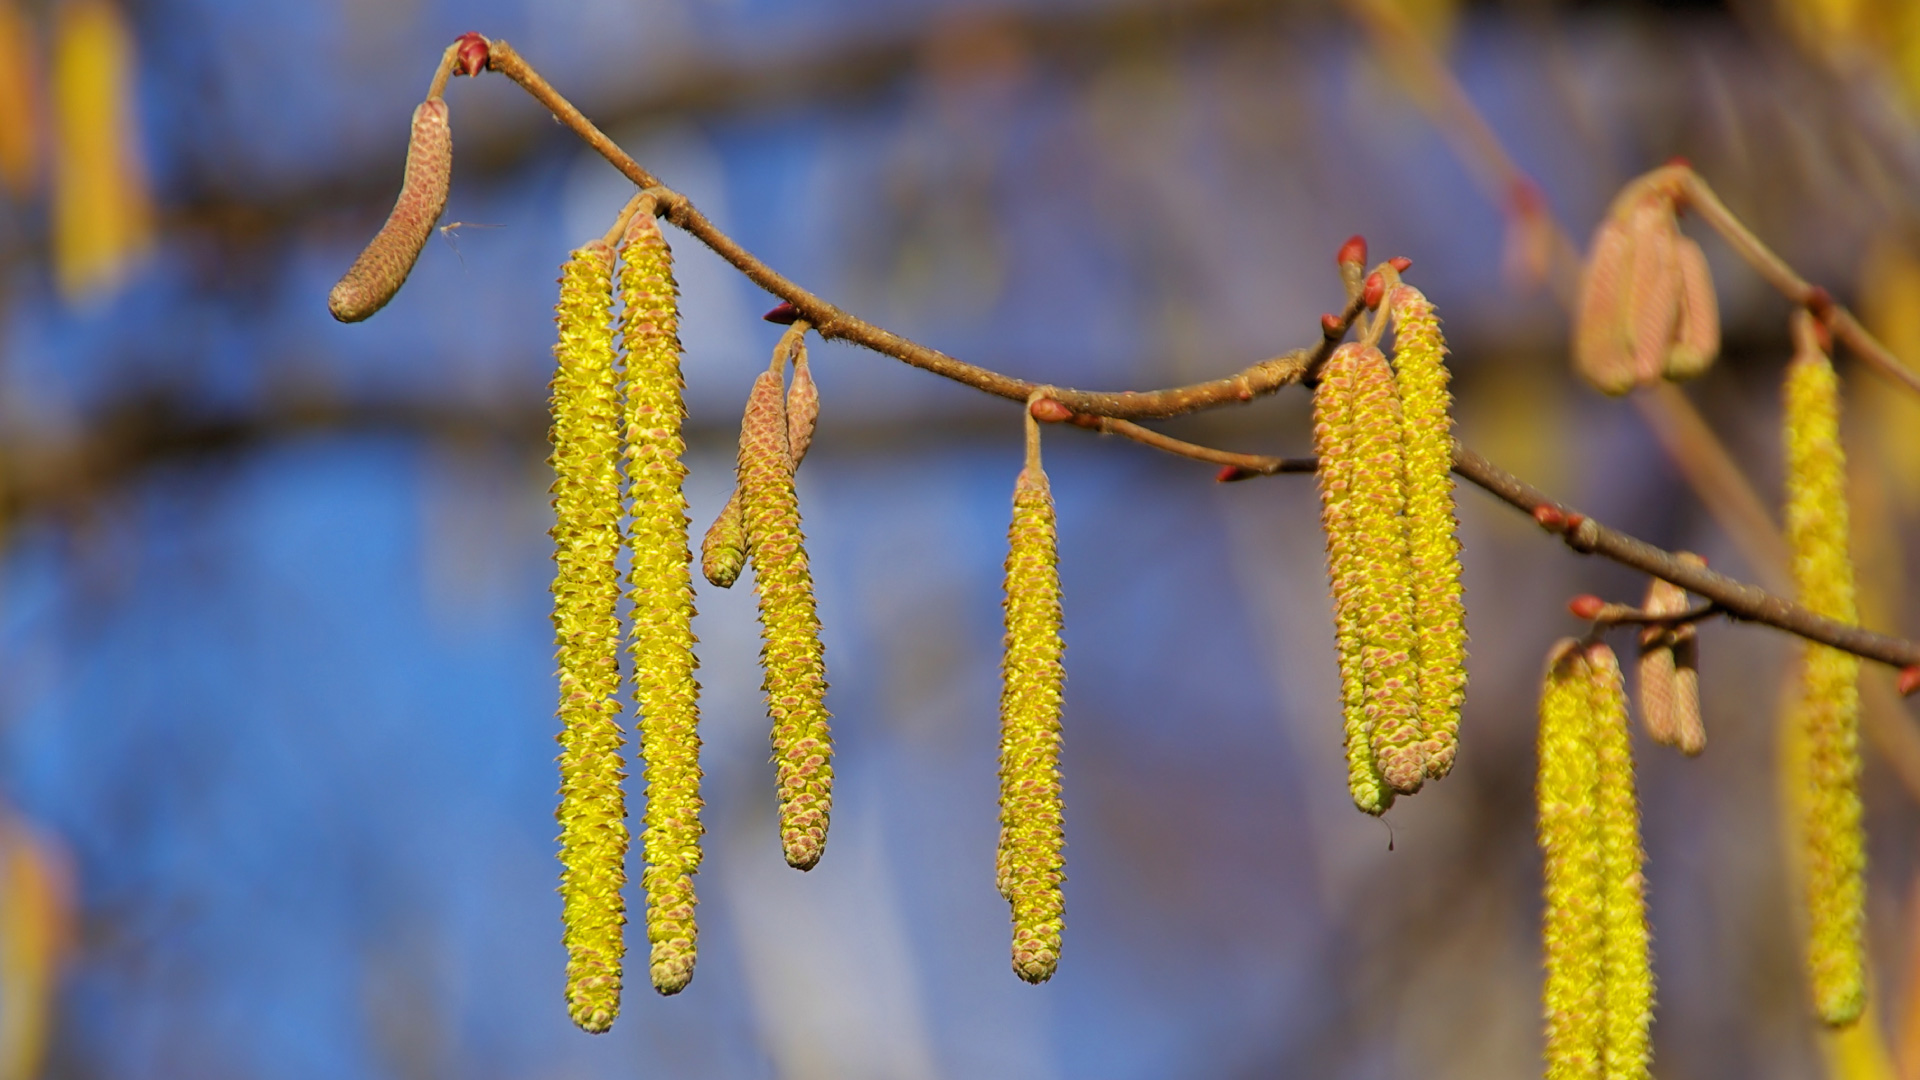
(287,695)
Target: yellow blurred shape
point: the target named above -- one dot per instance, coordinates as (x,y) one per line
(1433,19)
(35,914)
(101,216)
(1857,1052)
(19,103)
(1890,307)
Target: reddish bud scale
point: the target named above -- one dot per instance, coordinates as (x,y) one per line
(1909,679)
(1400,263)
(383,266)
(1331,325)
(782,313)
(1230,473)
(1049,411)
(1374,291)
(1549,517)
(1586,606)
(1353,252)
(472,54)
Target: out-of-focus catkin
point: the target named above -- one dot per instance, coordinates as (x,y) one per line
(1828,708)
(1574,930)
(662,638)
(1439,614)
(1031,866)
(1667,670)
(586,534)
(383,266)
(1647,309)
(1627,966)
(795,670)
(1336,442)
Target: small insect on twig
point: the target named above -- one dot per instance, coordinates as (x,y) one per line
(447,231)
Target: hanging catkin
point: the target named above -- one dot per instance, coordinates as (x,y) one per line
(1574,931)
(662,639)
(383,266)
(586,534)
(1439,615)
(795,672)
(1829,703)
(1627,969)
(723,551)
(1031,866)
(1338,440)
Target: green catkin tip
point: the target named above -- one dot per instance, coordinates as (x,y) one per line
(1827,711)
(723,552)
(1627,967)
(1031,866)
(1439,614)
(1573,929)
(795,670)
(1335,441)
(586,533)
(661,590)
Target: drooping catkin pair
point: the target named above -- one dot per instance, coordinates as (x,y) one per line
(1668,669)
(1030,866)
(1647,310)
(723,552)
(1386,497)
(795,675)
(1599,980)
(1826,713)
(593,430)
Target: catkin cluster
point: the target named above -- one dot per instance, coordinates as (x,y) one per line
(1030,864)
(790,654)
(1647,309)
(1599,985)
(595,428)
(1826,713)
(1386,498)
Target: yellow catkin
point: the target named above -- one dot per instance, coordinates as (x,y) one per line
(1439,613)
(1031,865)
(1573,931)
(662,593)
(1627,967)
(586,534)
(1385,581)
(1828,707)
(1334,442)
(388,258)
(102,214)
(795,670)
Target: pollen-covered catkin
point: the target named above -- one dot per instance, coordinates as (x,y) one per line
(1439,614)
(1627,967)
(661,579)
(1384,586)
(1334,441)
(383,266)
(586,534)
(1031,864)
(1829,703)
(1574,933)
(795,671)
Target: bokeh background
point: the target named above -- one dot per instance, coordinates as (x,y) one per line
(276,678)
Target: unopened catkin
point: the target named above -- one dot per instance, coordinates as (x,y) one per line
(1439,614)
(1668,670)
(1574,929)
(586,535)
(387,260)
(661,589)
(1626,960)
(1829,703)
(795,670)
(1031,866)
(723,551)
(1336,442)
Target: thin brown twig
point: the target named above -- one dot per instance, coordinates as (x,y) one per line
(1110,411)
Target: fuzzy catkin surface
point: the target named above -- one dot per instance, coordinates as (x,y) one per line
(1439,613)
(1627,975)
(586,534)
(1031,863)
(382,267)
(1573,931)
(790,655)
(1829,705)
(661,589)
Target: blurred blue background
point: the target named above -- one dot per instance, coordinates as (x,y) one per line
(275,664)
